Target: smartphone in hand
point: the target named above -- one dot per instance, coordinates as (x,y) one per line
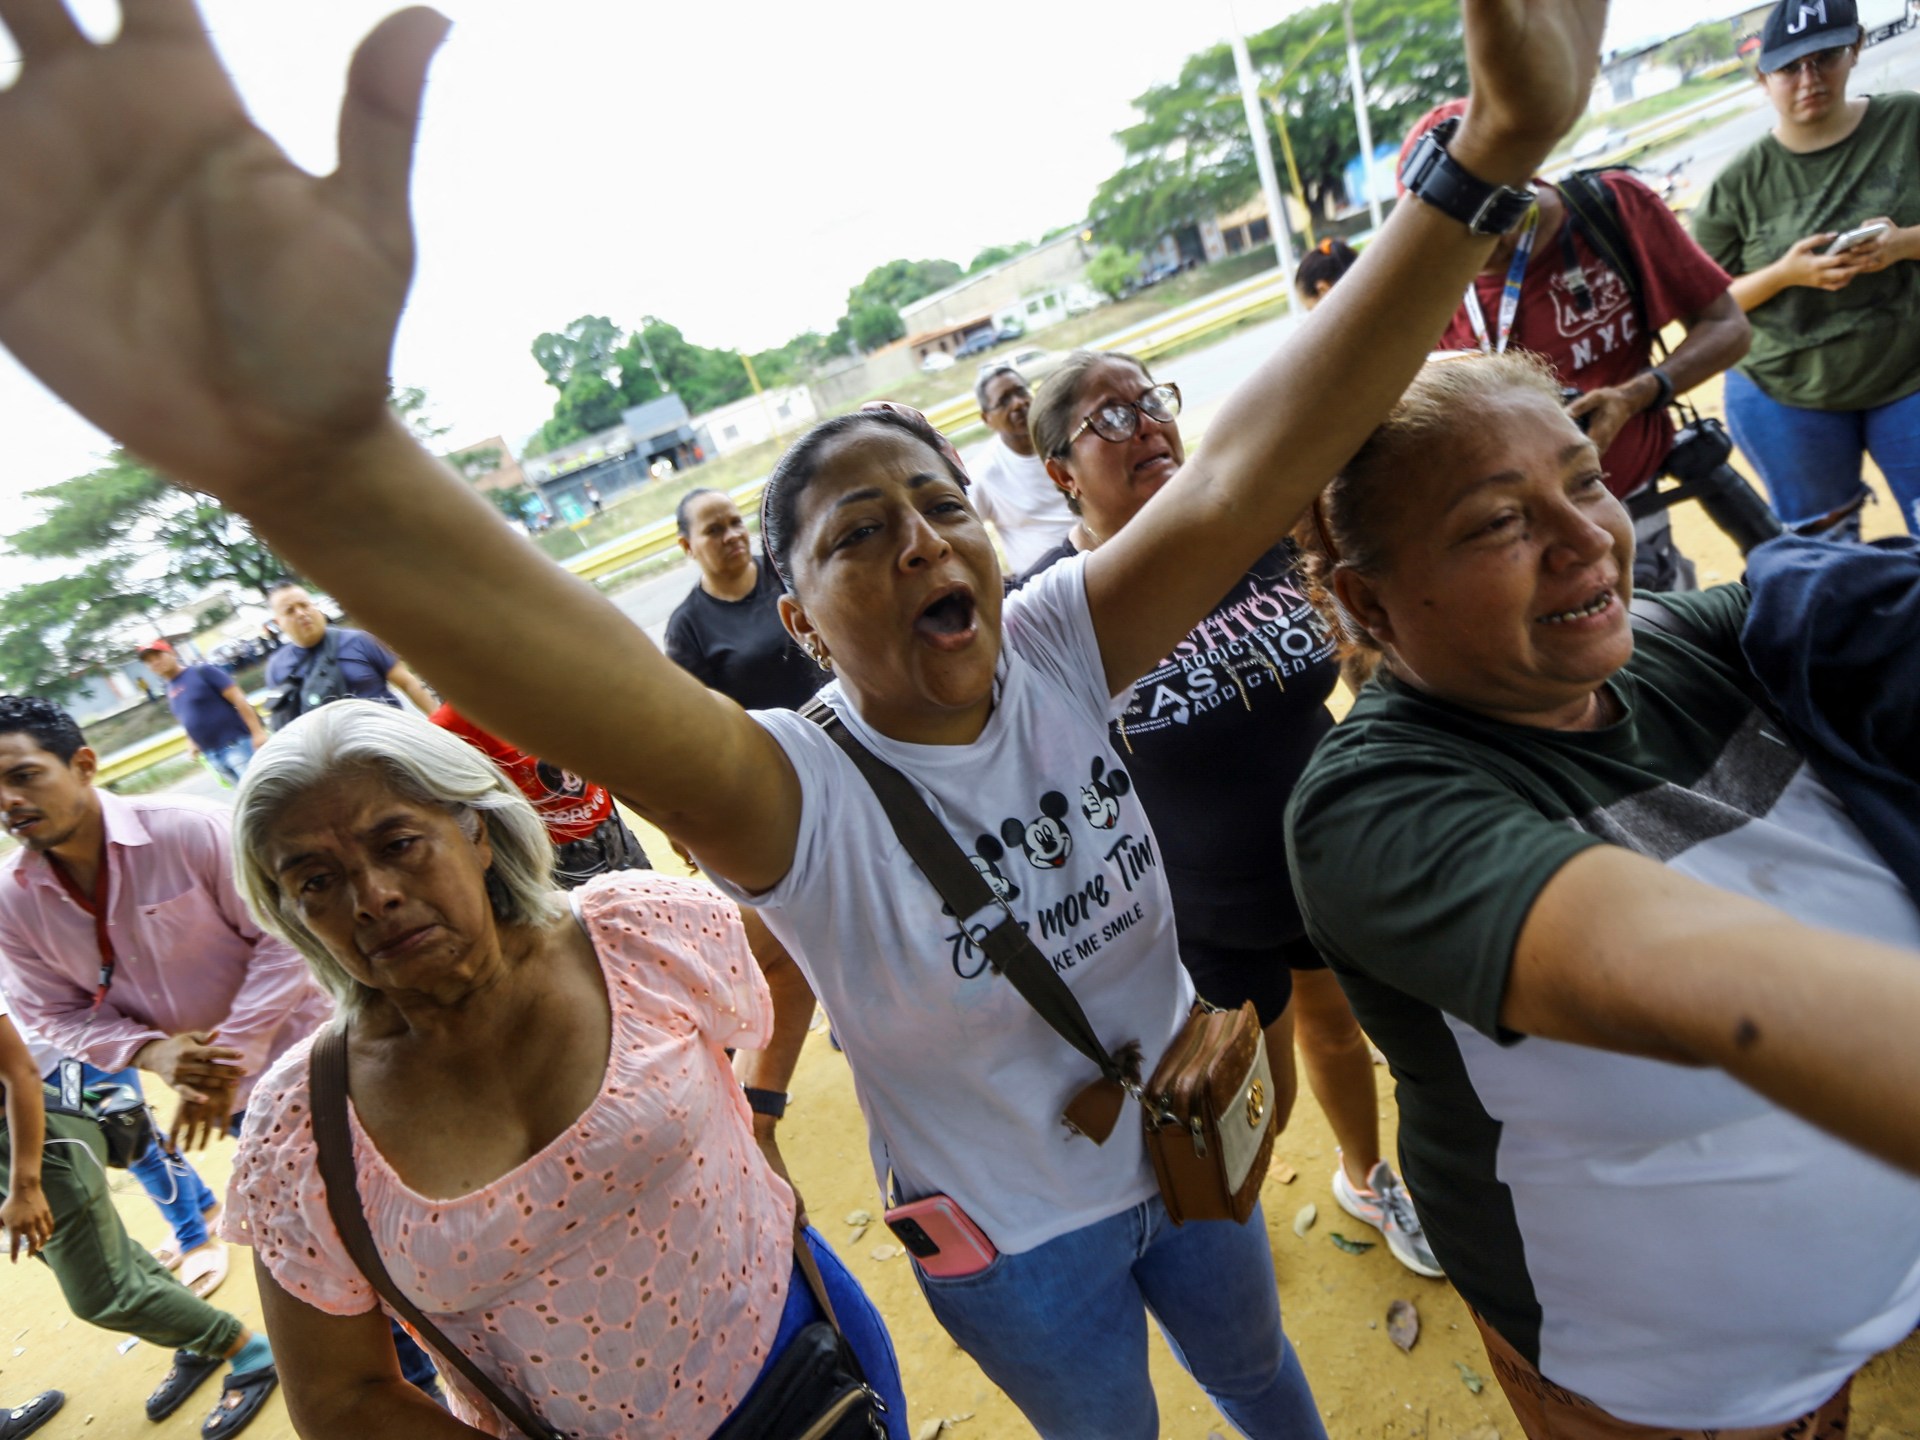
(1843,243)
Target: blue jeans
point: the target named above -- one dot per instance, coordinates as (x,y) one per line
(866,1332)
(231,760)
(1062,1328)
(1810,459)
(176,1187)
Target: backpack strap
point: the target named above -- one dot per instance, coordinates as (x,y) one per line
(1593,209)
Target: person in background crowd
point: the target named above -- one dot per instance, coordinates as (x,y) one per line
(589,837)
(593,498)
(1321,267)
(1213,739)
(727,632)
(1010,485)
(593,1225)
(892,578)
(1605,922)
(58,1207)
(1547,289)
(174,1186)
(220,722)
(1835,369)
(367,669)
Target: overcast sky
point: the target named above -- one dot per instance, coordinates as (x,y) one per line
(731,167)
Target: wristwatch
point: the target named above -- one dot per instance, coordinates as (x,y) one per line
(1665,382)
(772,1103)
(1440,180)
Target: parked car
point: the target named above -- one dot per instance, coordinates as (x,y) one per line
(1035,362)
(976,343)
(936,360)
(1012,329)
(1164,270)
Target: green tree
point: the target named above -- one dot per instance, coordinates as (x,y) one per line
(585,346)
(53,631)
(1701,48)
(1189,154)
(410,403)
(874,325)
(137,545)
(1110,270)
(901,282)
(996,255)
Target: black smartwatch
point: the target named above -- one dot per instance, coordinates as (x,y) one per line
(1442,182)
(771,1103)
(1665,382)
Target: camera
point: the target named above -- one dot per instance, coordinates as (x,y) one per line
(1698,460)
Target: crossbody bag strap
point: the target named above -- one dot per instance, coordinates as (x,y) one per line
(327,1083)
(1008,947)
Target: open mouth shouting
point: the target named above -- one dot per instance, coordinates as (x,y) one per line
(1594,610)
(950,620)
(23,823)
(1157,465)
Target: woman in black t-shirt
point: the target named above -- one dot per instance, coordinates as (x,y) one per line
(727,632)
(1214,739)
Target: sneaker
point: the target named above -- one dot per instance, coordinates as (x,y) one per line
(1386,1206)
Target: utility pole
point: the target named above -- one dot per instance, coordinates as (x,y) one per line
(1360,113)
(1277,224)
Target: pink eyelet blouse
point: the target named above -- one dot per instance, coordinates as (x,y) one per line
(629,1278)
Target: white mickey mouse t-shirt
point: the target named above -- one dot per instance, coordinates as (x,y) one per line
(962,1083)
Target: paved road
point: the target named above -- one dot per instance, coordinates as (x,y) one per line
(1206,377)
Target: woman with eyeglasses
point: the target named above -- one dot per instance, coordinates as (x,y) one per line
(1213,739)
(1819,224)
(272,325)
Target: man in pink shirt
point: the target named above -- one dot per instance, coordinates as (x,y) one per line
(122,938)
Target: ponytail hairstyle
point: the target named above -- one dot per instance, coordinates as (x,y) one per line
(1326,262)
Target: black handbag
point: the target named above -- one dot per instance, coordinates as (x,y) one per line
(119,1110)
(813,1391)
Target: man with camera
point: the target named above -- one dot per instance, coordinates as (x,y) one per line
(1589,281)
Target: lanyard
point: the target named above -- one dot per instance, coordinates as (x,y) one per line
(1509,293)
(96,906)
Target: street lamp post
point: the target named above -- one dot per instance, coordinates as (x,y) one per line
(1277,226)
(1355,79)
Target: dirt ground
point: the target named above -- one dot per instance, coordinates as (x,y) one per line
(1334,1304)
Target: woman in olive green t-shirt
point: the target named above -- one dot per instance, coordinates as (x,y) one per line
(1834,372)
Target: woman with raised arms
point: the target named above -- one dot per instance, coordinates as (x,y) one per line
(230,319)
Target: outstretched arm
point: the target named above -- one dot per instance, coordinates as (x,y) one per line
(1288,428)
(1621,953)
(229,318)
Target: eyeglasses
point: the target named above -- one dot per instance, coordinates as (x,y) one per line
(1118,421)
(1019,392)
(1807,64)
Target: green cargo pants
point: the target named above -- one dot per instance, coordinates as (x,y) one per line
(109,1280)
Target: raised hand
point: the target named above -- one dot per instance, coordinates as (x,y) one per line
(1531,64)
(166,270)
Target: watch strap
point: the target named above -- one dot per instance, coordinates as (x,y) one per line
(1444,183)
(771,1103)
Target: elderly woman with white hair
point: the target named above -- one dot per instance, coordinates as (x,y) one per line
(552,1154)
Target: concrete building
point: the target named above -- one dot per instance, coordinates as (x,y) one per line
(947,318)
(756,419)
(615,460)
(488,464)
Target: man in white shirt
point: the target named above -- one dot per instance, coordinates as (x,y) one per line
(1010,484)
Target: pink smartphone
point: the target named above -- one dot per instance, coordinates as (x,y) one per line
(941,1237)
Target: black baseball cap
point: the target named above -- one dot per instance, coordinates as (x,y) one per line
(1797,28)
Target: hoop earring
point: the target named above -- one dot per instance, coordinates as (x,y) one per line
(818,656)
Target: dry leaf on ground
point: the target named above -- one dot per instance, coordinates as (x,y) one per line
(1403,1324)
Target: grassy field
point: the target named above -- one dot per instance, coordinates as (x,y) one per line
(1639,112)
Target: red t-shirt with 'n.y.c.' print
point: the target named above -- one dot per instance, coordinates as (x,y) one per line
(1602,345)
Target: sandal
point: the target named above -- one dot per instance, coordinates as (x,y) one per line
(204,1270)
(189,1373)
(168,1252)
(240,1400)
(23,1420)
